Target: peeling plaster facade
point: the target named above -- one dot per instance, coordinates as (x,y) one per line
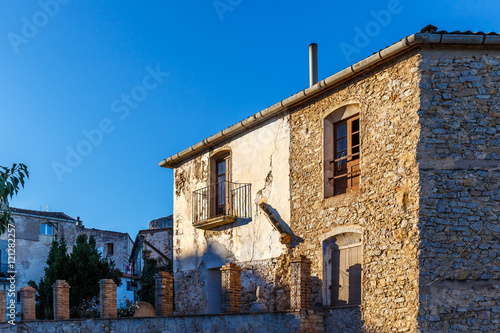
(427,206)
(260,158)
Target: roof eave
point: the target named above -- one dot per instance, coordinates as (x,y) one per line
(402,46)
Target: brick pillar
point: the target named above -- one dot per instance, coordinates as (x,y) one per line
(164,294)
(300,284)
(107,298)
(3,305)
(231,288)
(60,290)
(28,303)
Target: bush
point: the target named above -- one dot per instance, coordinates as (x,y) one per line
(127,307)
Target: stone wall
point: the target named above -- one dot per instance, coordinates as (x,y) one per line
(459,159)
(268,322)
(385,208)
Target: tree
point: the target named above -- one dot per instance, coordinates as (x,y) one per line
(82,270)
(146,293)
(10,180)
(57,263)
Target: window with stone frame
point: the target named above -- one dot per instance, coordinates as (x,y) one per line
(342,151)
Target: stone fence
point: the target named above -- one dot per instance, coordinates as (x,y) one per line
(300,286)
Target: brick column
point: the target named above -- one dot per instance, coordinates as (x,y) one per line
(3,305)
(300,284)
(164,294)
(107,298)
(231,288)
(28,303)
(60,291)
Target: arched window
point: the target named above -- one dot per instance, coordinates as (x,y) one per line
(341,151)
(343,258)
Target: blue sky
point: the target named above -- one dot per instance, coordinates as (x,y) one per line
(76,78)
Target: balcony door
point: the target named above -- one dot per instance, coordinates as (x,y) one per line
(221,186)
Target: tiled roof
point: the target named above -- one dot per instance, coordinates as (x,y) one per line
(54,215)
(433,30)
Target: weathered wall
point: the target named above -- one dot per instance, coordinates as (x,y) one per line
(161,239)
(459,157)
(122,244)
(389,102)
(122,248)
(264,322)
(260,157)
(32,247)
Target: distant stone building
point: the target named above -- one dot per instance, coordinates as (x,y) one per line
(155,242)
(385,175)
(35,231)
(115,246)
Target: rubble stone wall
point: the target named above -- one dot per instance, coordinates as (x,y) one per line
(386,206)
(459,160)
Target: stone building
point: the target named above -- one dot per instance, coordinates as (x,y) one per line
(115,246)
(385,175)
(156,242)
(34,233)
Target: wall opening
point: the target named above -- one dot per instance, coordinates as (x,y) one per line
(342,269)
(214,291)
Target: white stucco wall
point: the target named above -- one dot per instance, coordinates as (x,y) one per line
(259,157)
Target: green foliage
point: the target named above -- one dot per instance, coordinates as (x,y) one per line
(11,179)
(127,308)
(89,308)
(57,263)
(82,270)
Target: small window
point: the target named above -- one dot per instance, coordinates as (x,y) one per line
(110,249)
(129,286)
(46,229)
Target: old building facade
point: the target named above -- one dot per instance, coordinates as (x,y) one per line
(385,175)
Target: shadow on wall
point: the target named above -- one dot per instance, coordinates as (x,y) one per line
(198,285)
(340,320)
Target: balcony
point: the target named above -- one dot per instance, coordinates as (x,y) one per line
(221,203)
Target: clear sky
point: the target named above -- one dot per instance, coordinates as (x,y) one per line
(94,94)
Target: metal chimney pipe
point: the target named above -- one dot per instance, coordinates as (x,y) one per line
(313,64)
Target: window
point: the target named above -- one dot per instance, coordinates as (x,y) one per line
(342,151)
(129,286)
(219,183)
(46,229)
(343,268)
(109,248)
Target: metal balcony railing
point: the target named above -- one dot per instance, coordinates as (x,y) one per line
(223,199)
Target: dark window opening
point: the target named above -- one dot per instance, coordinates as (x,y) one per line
(110,249)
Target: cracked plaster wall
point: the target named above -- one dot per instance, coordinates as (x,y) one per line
(259,157)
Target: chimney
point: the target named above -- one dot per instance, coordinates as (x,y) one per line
(313,64)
